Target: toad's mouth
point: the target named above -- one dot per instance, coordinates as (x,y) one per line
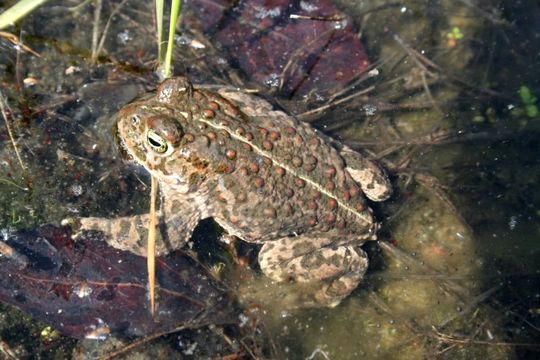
(120,142)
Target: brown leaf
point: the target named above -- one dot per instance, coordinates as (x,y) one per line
(85,288)
(299,46)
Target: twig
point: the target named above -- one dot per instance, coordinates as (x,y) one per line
(306,114)
(106,29)
(317,18)
(445,284)
(453,339)
(490,16)
(15,41)
(421,61)
(380,304)
(3,105)
(12,183)
(142,341)
(432,183)
(295,57)
(7,351)
(370,72)
(471,305)
(437,137)
(95,29)
(425,64)
(151,248)
(428,93)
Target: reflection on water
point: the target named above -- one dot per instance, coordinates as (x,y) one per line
(455,274)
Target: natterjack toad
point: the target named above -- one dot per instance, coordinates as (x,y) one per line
(264,176)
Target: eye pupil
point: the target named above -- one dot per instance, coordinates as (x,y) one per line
(153,142)
(156,142)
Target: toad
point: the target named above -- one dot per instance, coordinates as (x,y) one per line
(261,174)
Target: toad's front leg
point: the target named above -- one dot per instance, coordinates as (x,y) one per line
(176,222)
(128,233)
(336,270)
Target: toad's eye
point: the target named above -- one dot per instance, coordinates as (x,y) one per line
(156,142)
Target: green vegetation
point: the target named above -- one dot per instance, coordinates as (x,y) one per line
(528,107)
(159,9)
(18,11)
(164,67)
(455,34)
(529,102)
(166,60)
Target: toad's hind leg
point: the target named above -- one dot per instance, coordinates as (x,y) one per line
(336,270)
(372,178)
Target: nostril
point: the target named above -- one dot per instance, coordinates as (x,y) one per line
(135,120)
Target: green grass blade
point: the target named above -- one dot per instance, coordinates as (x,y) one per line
(159,29)
(175,10)
(17,11)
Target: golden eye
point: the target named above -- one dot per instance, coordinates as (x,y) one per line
(156,142)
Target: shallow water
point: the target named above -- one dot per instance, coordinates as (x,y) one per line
(456,272)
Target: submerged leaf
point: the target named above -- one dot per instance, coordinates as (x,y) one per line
(85,288)
(292,47)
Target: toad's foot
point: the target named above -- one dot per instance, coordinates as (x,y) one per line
(337,269)
(371,177)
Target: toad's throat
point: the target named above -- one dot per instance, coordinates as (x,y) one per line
(318,187)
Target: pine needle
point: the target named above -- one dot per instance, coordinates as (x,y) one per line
(151,243)
(151,250)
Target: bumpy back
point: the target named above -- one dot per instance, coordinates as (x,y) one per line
(272,173)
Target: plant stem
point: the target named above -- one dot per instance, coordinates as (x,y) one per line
(17,11)
(10,131)
(175,10)
(151,244)
(151,248)
(159,29)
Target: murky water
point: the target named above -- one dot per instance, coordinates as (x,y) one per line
(456,272)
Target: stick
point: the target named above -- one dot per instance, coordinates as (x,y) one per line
(151,250)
